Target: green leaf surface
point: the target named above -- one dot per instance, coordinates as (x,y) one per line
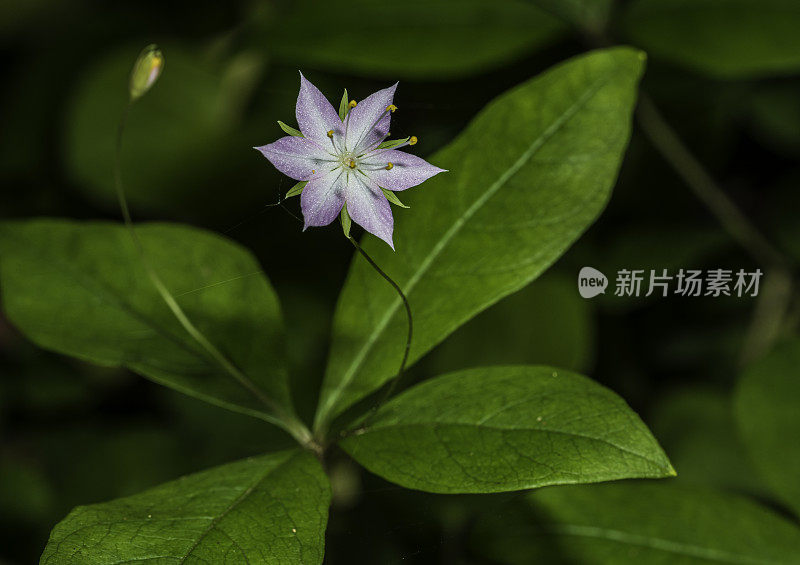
(694,426)
(506,428)
(591,15)
(271,509)
(415,39)
(775,116)
(530,173)
(80,289)
(639,523)
(562,335)
(767,401)
(723,38)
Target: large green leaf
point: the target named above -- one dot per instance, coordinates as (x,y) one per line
(415,38)
(725,38)
(506,428)
(591,15)
(80,289)
(768,411)
(636,523)
(263,510)
(527,177)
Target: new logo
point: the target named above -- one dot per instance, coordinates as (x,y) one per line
(591,282)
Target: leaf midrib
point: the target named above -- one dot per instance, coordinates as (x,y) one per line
(439,425)
(112,298)
(532,149)
(234,504)
(659,544)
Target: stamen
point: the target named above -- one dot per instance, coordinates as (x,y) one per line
(353,104)
(412,140)
(333,143)
(389,109)
(389,166)
(352,164)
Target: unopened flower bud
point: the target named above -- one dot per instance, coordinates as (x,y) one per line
(146,70)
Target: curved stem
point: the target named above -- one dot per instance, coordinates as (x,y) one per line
(407,349)
(279,416)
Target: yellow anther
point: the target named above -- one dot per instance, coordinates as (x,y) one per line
(353,104)
(389,166)
(352,164)
(313,171)
(330,134)
(412,140)
(391,108)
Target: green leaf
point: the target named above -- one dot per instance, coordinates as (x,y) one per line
(775,116)
(767,400)
(506,428)
(267,509)
(289,129)
(591,15)
(346,221)
(694,426)
(416,38)
(502,214)
(344,106)
(562,336)
(80,289)
(724,38)
(637,523)
(392,197)
(297,189)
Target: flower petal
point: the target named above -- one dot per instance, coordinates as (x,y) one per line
(323,198)
(369,120)
(296,157)
(368,207)
(407,170)
(315,115)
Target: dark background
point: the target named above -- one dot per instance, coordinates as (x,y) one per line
(74,434)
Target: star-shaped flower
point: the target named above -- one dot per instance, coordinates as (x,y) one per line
(346,160)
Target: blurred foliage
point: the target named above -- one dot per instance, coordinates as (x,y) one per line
(767,413)
(727,38)
(695,427)
(630,522)
(74,433)
(431,39)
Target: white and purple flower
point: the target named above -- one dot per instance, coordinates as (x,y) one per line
(343,159)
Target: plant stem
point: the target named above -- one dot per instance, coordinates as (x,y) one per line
(667,142)
(407,349)
(775,297)
(277,414)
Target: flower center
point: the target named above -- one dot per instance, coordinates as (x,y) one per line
(347,159)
